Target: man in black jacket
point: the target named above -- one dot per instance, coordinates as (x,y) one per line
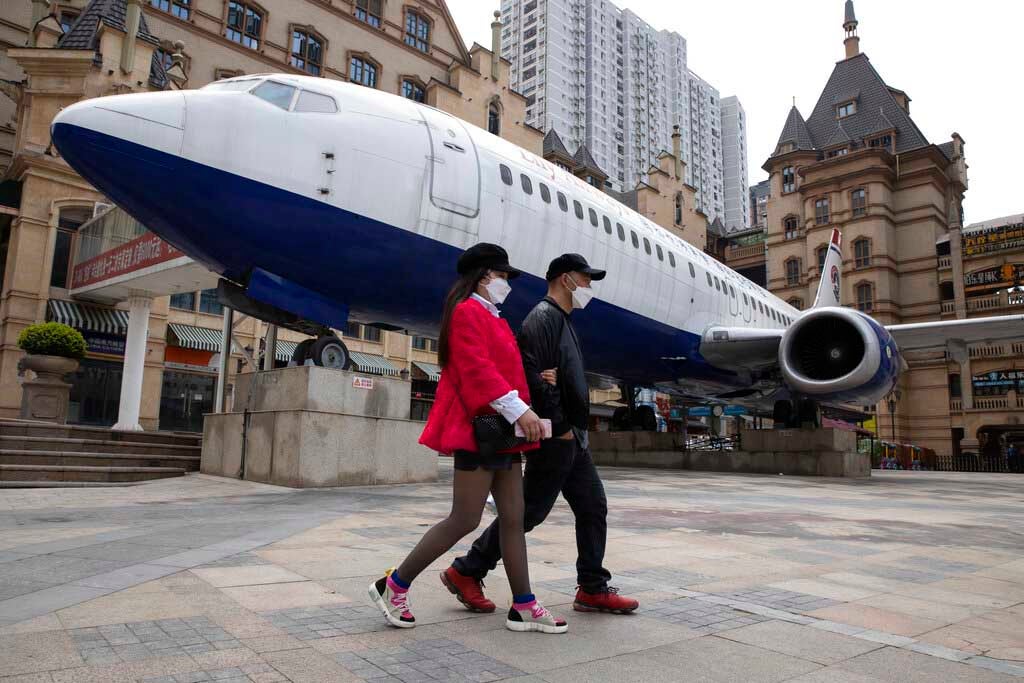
(563,464)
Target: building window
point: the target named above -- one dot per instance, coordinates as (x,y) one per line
(68,17)
(796,303)
(679,208)
(822,254)
(788,179)
(307,52)
(209,303)
(883,141)
(417,31)
(245,24)
(859,203)
(865,297)
(363,72)
(179,8)
(846,109)
(184,301)
(793,272)
(424,344)
(369,11)
(68,223)
(493,119)
(955,388)
(946,291)
(411,90)
(821,212)
(862,252)
(792,228)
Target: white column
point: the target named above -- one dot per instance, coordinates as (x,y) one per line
(225,359)
(134,365)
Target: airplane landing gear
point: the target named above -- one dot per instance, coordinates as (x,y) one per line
(797,413)
(326,351)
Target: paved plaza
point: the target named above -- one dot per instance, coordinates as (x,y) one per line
(906,577)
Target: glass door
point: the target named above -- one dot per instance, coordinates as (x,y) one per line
(95,393)
(185,399)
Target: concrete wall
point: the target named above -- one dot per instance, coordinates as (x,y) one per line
(322,390)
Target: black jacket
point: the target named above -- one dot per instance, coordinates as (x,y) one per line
(547,340)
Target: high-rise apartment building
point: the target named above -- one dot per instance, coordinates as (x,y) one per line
(734,151)
(759,195)
(603,77)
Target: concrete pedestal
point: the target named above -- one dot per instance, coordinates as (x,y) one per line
(808,453)
(308,427)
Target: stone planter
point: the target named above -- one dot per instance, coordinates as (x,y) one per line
(46,397)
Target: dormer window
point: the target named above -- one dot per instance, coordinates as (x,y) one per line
(837,153)
(884,141)
(846,109)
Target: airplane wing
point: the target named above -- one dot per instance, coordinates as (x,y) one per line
(742,347)
(974,330)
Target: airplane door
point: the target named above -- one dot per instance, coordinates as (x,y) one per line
(455,168)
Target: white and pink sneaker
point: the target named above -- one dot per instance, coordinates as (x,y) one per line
(534,617)
(393,602)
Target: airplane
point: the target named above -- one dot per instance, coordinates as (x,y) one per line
(318,201)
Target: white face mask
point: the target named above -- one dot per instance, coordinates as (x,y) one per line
(498,290)
(581,296)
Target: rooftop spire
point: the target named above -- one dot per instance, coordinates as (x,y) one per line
(852,41)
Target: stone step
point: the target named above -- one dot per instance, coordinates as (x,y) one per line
(11,456)
(79,473)
(56,443)
(50,430)
(67,484)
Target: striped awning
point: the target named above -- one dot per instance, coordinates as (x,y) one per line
(285,350)
(197,338)
(433,372)
(88,318)
(374,365)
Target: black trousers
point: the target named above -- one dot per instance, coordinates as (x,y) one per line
(560,466)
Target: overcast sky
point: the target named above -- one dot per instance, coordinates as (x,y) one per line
(960,62)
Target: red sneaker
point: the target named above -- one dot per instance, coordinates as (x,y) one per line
(467,590)
(606,600)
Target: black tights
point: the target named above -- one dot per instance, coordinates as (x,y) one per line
(469,494)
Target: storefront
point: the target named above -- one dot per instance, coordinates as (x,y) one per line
(96,385)
(425,377)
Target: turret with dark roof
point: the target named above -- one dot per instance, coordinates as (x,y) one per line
(795,133)
(585,163)
(554,147)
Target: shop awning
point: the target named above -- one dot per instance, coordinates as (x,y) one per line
(285,350)
(433,372)
(89,318)
(198,338)
(374,365)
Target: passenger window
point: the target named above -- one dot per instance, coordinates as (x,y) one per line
(732,291)
(647,246)
(593,218)
(761,307)
(527,183)
(745,302)
(718,285)
(315,103)
(672,259)
(693,273)
(506,174)
(710,283)
(661,254)
(636,240)
(563,203)
(622,232)
(607,225)
(277,94)
(545,193)
(578,208)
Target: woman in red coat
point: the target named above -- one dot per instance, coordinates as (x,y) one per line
(482,375)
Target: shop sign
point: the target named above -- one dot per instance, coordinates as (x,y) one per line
(1010,236)
(362,383)
(107,344)
(990,279)
(999,378)
(142,252)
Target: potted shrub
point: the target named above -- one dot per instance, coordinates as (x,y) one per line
(53,349)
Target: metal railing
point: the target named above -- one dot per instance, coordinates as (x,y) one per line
(974,462)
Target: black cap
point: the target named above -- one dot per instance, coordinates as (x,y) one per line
(573,263)
(485,255)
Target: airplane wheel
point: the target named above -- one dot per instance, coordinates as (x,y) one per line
(330,352)
(782,414)
(646,420)
(301,352)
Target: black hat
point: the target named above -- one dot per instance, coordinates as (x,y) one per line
(573,263)
(485,255)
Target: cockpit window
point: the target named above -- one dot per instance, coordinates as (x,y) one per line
(277,94)
(315,103)
(233,86)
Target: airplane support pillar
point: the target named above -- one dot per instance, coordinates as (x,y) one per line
(270,348)
(225,359)
(134,365)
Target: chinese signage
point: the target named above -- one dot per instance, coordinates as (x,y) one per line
(362,383)
(142,252)
(104,343)
(998,382)
(991,279)
(1009,236)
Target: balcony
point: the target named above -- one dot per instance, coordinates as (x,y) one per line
(998,403)
(750,251)
(949,307)
(945,262)
(995,301)
(956,405)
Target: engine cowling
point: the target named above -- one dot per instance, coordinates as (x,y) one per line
(838,354)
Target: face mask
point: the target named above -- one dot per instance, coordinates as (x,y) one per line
(498,290)
(581,296)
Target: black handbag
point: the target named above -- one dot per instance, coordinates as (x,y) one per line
(494,434)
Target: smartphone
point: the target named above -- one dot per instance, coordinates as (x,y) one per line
(546,424)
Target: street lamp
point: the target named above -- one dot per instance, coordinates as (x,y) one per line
(894,398)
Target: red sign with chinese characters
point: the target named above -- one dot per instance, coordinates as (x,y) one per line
(142,252)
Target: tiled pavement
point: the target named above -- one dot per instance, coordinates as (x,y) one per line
(908,577)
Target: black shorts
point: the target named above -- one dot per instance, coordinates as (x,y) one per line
(470,462)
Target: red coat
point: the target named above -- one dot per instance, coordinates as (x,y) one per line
(484,364)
